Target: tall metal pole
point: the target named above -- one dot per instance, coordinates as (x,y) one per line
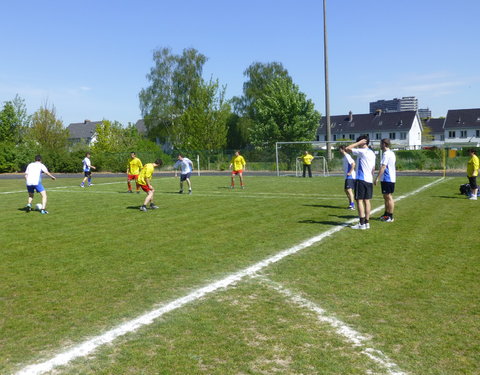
(327,91)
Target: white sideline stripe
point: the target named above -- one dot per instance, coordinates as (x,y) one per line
(87,347)
(342,329)
(59,187)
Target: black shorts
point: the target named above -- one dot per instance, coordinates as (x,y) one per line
(183,177)
(349,184)
(363,189)
(87,174)
(473,182)
(388,187)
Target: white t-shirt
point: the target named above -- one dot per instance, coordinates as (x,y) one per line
(86,164)
(347,165)
(365,163)
(388,160)
(186,165)
(34,173)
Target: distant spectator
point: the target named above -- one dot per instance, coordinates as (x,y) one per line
(306,159)
(472,172)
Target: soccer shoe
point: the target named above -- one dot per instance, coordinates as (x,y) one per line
(383,218)
(359,226)
(90,184)
(143,208)
(180,192)
(242,187)
(389,219)
(153,207)
(367,225)
(28,207)
(189,192)
(82,185)
(44,212)
(351,208)
(129,191)
(473,198)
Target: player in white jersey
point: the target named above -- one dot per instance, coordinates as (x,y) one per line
(87,170)
(364,183)
(349,172)
(186,166)
(33,178)
(387,176)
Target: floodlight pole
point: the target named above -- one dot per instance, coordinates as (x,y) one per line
(327,93)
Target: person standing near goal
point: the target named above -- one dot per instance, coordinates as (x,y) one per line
(186,166)
(33,178)
(364,183)
(144,180)
(134,166)
(349,171)
(238,163)
(306,159)
(387,176)
(472,172)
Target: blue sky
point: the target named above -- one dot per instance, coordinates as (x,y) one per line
(90,58)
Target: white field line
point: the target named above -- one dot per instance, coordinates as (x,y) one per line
(85,348)
(342,329)
(60,187)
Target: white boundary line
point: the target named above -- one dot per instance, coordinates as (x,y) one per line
(85,348)
(342,329)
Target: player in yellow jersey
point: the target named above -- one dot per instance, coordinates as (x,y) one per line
(472,172)
(134,166)
(238,163)
(307,158)
(144,180)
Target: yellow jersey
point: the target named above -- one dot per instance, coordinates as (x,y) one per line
(307,159)
(145,173)
(472,166)
(238,163)
(134,166)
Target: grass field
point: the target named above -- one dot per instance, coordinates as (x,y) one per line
(400,298)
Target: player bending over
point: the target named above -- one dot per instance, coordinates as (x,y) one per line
(144,180)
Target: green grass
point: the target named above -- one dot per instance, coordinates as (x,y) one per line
(96,261)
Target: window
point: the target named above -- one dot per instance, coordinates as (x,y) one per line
(477,133)
(378,136)
(334,137)
(442,137)
(391,135)
(351,136)
(463,134)
(403,135)
(451,134)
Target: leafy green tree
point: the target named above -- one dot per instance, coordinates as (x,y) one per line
(172,79)
(109,137)
(179,106)
(8,124)
(203,124)
(238,131)
(47,130)
(283,113)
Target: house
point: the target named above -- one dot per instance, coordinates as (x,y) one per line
(83,132)
(462,126)
(403,128)
(436,131)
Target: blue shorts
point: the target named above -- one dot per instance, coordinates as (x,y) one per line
(39,188)
(349,183)
(183,177)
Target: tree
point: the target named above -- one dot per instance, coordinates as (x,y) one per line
(283,113)
(172,81)
(8,124)
(259,76)
(180,106)
(47,131)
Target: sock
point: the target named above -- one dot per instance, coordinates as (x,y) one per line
(362,220)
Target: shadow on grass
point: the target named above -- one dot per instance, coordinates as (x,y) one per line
(451,197)
(325,222)
(325,206)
